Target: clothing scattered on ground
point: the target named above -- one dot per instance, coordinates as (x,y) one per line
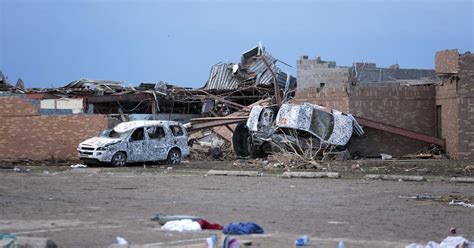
(242,228)
(222,241)
(181,225)
(206,225)
(162,219)
(449,242)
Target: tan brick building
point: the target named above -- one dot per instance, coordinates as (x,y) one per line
(441,106)
(25,134)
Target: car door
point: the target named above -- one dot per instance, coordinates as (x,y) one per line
(179,136)
(157,144)
(137,145)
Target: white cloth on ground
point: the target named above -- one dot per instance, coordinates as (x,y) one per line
(181,225)
(449,242)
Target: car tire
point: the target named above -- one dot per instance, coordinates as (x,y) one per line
(241,140)
(174,156)
(119,159)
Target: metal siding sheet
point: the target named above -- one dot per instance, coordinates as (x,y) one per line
(221,78)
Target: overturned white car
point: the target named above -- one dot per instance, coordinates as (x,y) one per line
(308,125)
(137,141)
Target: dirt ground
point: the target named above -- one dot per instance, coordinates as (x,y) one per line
(90,207)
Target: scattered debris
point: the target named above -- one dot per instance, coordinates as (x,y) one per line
(233,173)
(456,241)
(461,203)
(394,177)
(302,240)
(7,240)
(181,225)
(206,144)
(462,179)
(385,156)
(78,166)
(121,241)
(224,241)
(211,226)
(310,175)
(341,244)
(430,152)
(242,228)
(21,170)
(162,219)
(421,197)
(304,133)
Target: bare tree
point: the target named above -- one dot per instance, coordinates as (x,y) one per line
(296,151)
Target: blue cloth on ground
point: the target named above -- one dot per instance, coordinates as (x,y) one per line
(242,228)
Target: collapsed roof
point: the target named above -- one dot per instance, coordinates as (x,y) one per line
(256,65)
(92,84)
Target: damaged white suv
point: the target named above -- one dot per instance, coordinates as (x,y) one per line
(137,141)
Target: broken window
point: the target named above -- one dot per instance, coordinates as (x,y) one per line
(137,134)
(321,123)
(156,132)
(176,130)
(110,133)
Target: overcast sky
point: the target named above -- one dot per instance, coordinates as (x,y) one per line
(50,43)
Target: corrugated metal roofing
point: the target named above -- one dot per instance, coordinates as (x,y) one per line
(221,78)
(251,66)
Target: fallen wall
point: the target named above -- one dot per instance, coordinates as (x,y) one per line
(24,134)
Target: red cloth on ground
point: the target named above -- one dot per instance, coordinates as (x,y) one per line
(206,225)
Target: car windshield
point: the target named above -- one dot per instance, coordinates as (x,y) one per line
(110,133)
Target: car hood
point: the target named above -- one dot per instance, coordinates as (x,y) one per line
(100,141)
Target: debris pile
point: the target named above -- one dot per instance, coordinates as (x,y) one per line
(4,85)
(257,67)
(430,152)
(299,135)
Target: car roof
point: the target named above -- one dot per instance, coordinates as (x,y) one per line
(129,125)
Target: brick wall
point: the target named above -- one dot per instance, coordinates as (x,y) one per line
(336,98)
(374,142)
(447,61)
(26,135)
(466,106)
(447,98)
(311,73)
(17,106)
(410,107)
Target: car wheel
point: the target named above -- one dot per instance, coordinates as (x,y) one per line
(174,156)
(119,159)
(241,140)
